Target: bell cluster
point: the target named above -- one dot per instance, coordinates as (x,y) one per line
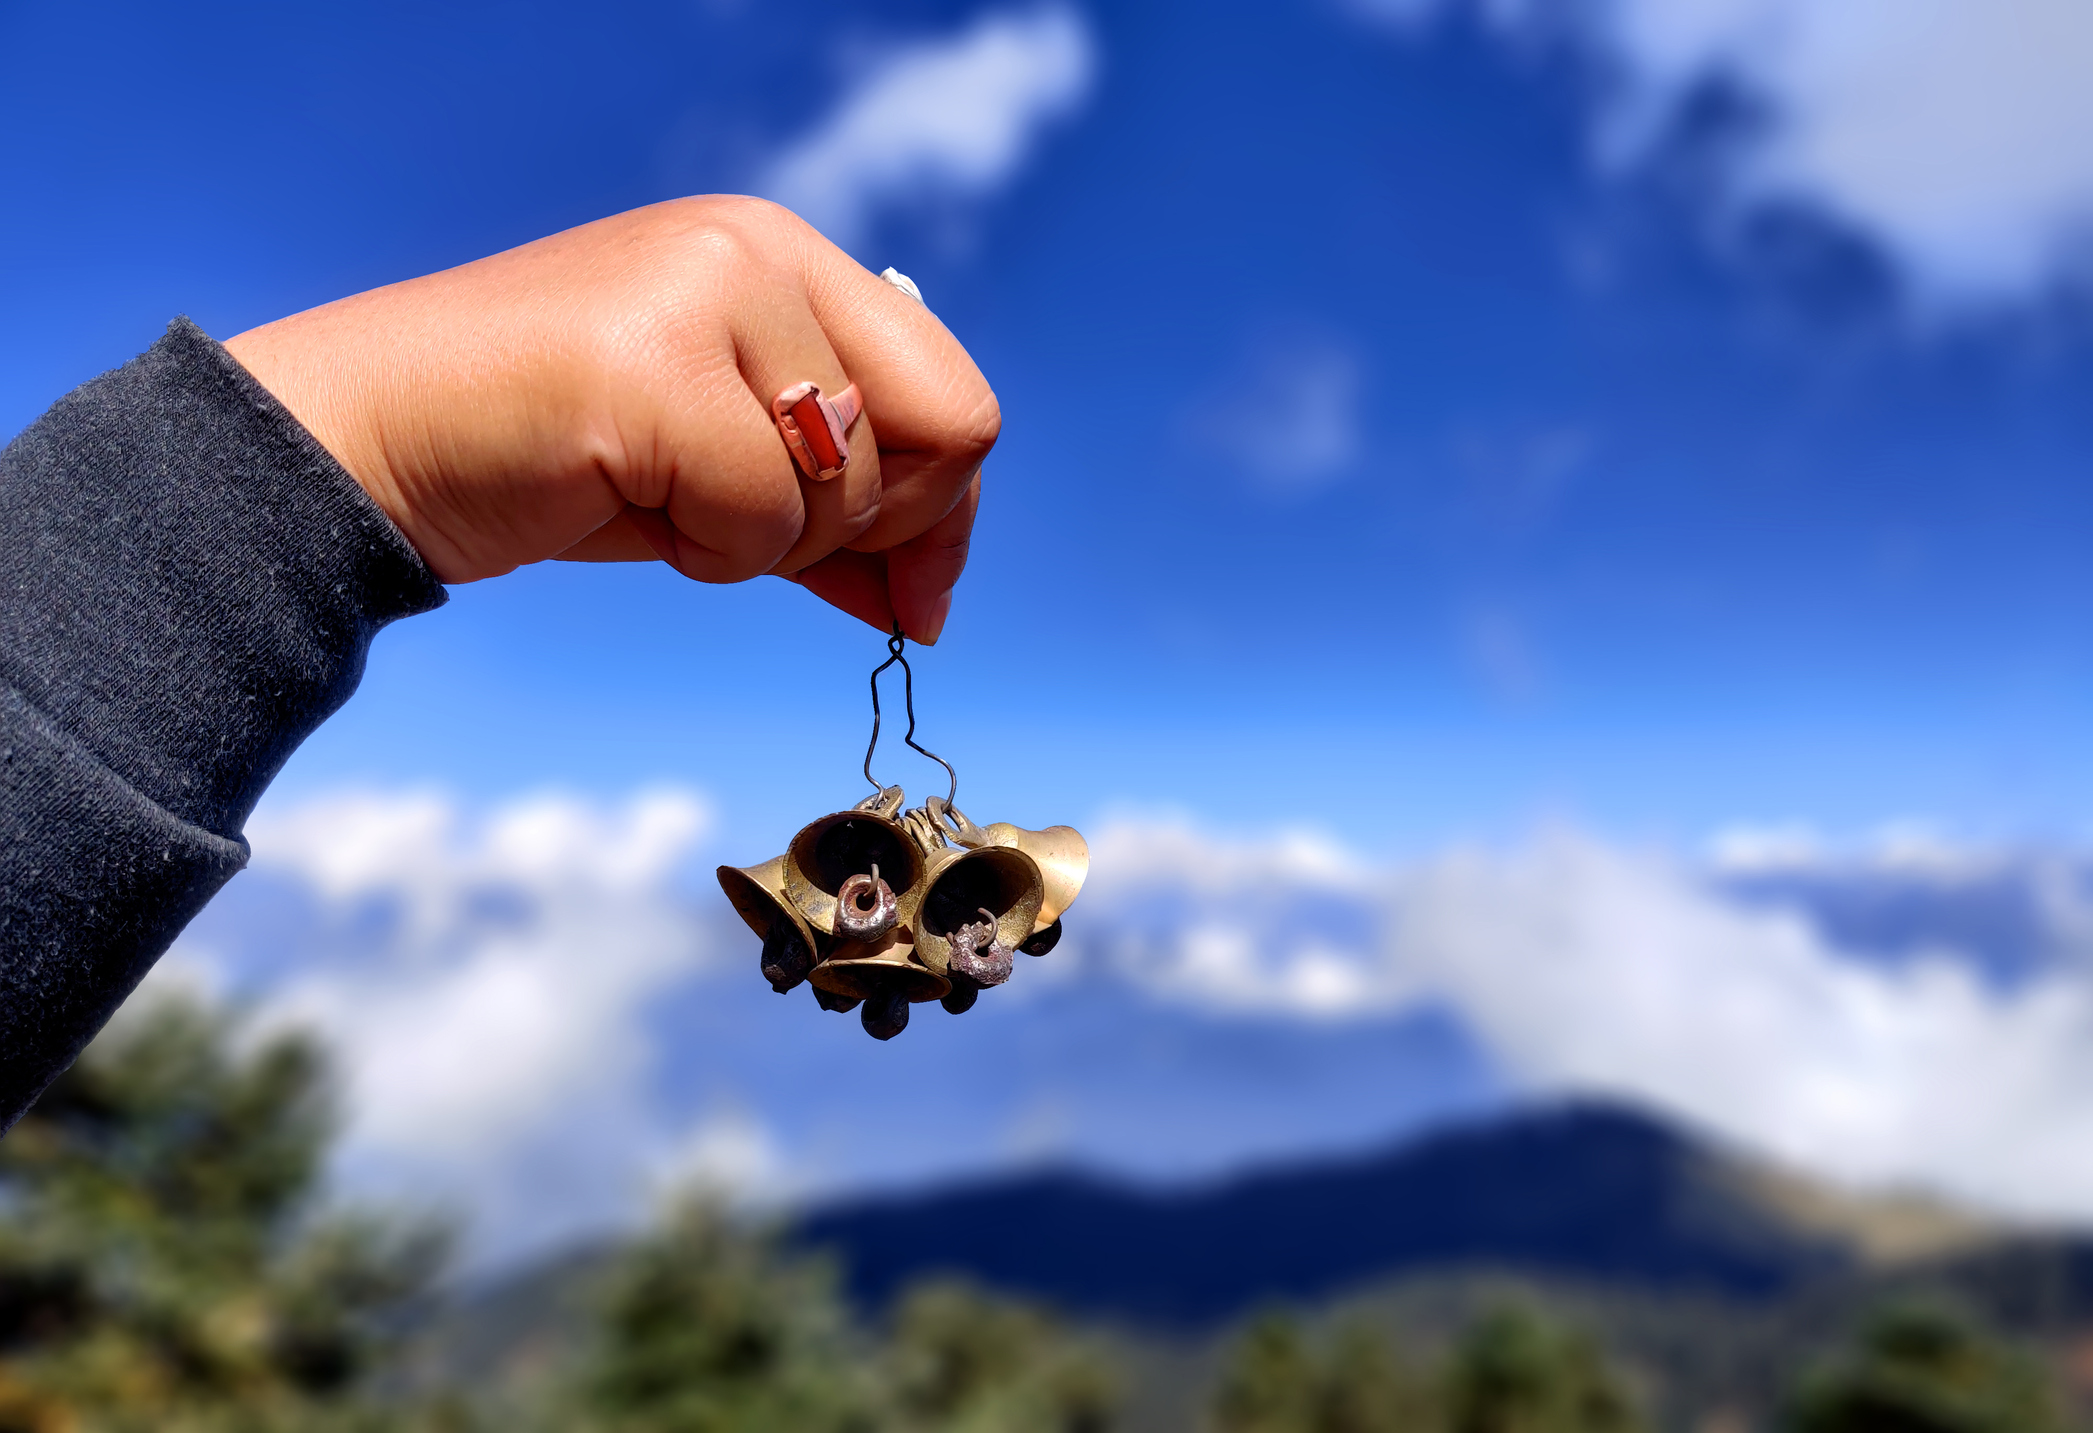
(879,909)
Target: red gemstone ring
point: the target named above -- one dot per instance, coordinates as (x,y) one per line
(816,428)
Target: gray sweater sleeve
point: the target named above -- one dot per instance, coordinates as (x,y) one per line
(188,585)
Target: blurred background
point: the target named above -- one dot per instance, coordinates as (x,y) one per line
(1547,547)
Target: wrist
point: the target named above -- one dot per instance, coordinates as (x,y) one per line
(326,390)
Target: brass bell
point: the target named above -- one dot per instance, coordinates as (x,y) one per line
(790,949)
(886,976)
(829,852)
(995,885)
(1063,858)
(883,908)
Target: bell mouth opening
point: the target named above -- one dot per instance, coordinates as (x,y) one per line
(830,853)
(1003,882)
(757,904)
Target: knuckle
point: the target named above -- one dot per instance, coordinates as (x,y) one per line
(737,230)
(753,213)
(721,248)
(979,422)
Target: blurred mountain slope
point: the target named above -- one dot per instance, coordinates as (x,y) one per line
(1589,1191)
(1712,1273)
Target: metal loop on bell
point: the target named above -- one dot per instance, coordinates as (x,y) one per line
(887,802)
(953,825)
(865,907)
(979,953)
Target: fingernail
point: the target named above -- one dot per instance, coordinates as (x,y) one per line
(934,624)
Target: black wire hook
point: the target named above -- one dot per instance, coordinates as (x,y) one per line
(895,644)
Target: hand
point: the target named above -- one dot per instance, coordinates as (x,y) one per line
(573,397)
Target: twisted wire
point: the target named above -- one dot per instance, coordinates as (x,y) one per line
(895,644)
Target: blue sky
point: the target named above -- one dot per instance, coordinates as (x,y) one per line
(1425,425)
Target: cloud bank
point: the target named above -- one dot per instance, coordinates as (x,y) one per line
(949,119)
(511,992)
(1588,968)
(1952,132)
(483,982)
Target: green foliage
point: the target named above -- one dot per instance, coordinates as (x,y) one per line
(1269,1383)
(962,1361)
(1514,1372)
(1277,1381)
(160,1263)
(711,1326)
(1366,1389)
(1518,1371)
(1922,1368)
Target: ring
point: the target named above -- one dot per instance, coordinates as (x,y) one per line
(816,428)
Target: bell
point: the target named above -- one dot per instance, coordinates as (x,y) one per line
(790,949)
(841,1004)
(886,977)
(1063,858)
(830,852)
(858,972)
(994,886)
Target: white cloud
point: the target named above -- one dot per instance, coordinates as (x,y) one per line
(1289,418)
(488,982)
(953,119)
(1954,132)
(732,1153)
(482,982)
(1585,967)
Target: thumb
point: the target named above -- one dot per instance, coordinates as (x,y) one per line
(922,571)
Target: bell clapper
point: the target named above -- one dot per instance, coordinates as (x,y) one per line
(829,1000)
(886,1013)
(786,959)
(827,910)
(1042,941)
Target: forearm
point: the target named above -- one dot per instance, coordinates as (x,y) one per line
(188,586)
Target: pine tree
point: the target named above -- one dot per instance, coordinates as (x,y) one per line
(162,1264)
(1366,1388)
(1922,1368)
(711,1327)
(1279,1380)
(1269,1382)
(1517,1371)
(960,1360)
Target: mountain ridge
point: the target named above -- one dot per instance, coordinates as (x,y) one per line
(1586,1189)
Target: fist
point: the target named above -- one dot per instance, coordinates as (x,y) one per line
(604,395)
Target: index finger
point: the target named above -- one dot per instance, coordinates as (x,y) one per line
(934,412)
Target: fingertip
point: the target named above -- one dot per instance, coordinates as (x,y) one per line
(929,624)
